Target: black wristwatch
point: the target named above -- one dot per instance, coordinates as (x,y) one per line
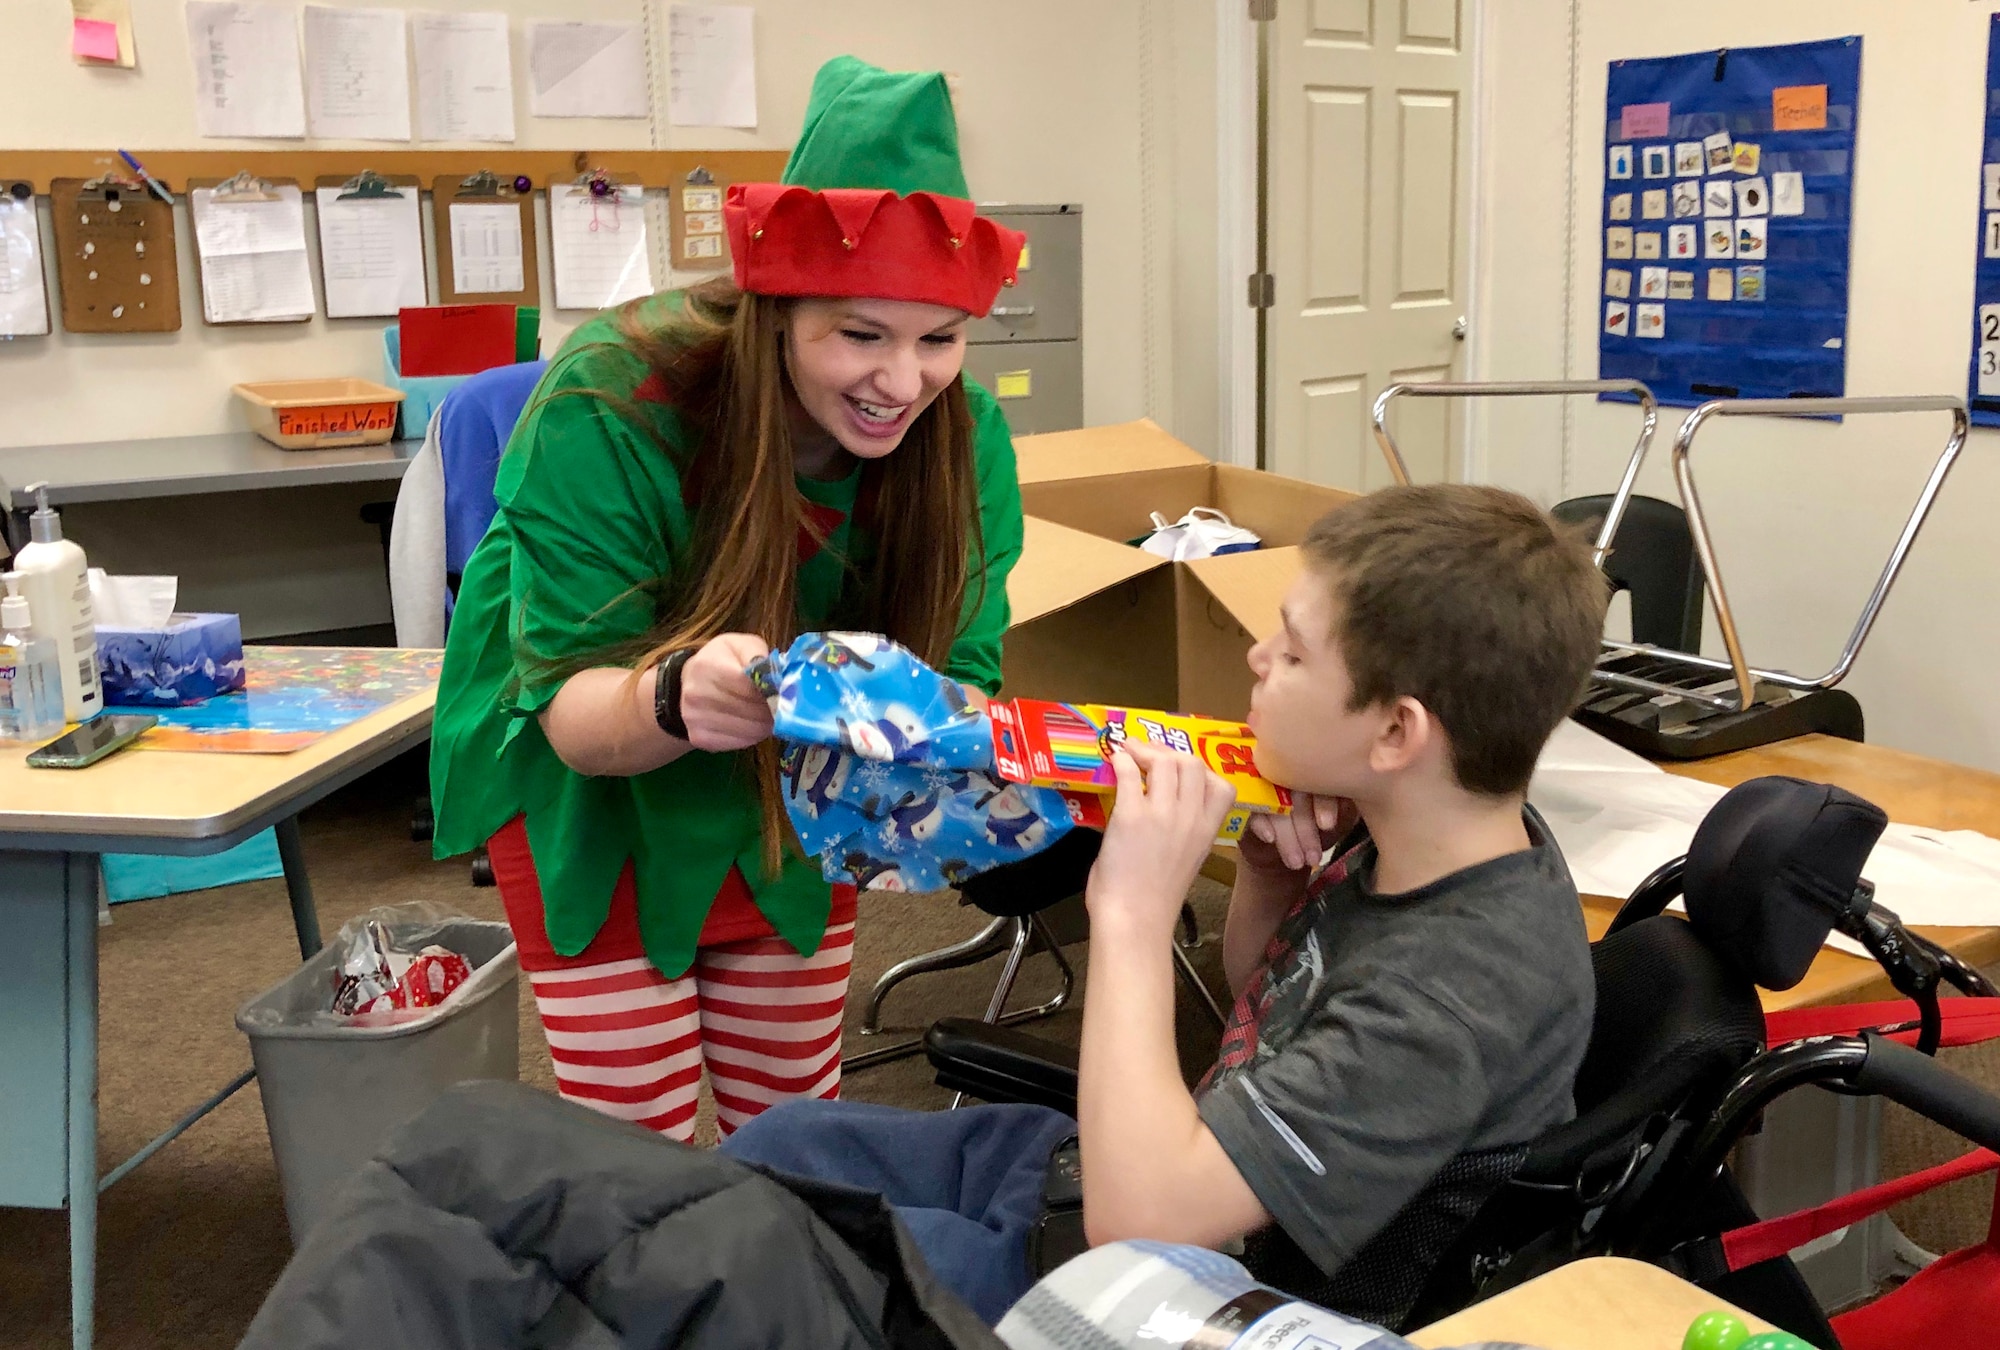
(667,694)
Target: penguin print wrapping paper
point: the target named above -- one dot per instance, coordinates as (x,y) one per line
(887,770)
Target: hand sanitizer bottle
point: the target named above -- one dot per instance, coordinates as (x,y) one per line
(30,682)
(56,581)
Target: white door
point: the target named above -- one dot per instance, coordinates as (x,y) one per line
(1366,234)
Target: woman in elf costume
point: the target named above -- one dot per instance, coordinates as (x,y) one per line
(701,476)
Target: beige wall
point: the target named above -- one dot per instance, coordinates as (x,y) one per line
(1804,514)
(1049,101)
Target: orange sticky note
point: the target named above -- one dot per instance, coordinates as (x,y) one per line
(1799,107)
(95,39)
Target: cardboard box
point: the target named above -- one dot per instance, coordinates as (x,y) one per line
(1098,620)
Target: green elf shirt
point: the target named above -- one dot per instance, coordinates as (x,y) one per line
(590,513)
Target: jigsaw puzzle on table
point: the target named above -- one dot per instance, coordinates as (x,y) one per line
(295,697)
(1728,197)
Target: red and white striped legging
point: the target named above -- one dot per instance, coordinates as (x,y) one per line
(630,1042)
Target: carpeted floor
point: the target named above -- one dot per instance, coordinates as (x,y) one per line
(191,1240)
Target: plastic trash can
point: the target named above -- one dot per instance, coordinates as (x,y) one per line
(333,1092)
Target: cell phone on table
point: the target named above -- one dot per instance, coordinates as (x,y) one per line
(100,736)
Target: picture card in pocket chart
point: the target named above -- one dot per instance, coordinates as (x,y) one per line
(1750,152)
(1983,380)
(1986,353)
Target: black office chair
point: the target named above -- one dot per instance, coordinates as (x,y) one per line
(1034,905)
(1674,1069)
(1653,560)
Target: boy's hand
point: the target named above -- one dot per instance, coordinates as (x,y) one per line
(1168,811)
(1296,842)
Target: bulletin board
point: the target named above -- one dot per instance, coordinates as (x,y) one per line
(1983,391)
(1726,221)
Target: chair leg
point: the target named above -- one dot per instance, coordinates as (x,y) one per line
(1061,999)
(1190,977)
(1024,935)
(868,1059)
(1190,933)
(989,941)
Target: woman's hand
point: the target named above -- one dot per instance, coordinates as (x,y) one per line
(1296,842)
(722,709)
(1162,826)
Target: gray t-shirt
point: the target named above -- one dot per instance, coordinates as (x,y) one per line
(1389,1035)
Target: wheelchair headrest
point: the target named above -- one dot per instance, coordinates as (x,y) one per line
(1770,869)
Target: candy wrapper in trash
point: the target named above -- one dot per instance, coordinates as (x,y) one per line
(887,771)
(376,977)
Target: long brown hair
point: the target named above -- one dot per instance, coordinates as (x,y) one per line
(721,359)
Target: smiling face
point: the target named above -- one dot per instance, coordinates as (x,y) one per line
(864,370)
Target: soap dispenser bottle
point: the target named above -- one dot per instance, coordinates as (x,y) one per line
(55,579)
(30,683)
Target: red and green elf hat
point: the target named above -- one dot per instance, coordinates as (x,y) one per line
(873,201)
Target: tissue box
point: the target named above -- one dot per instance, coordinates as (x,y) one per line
(194,657)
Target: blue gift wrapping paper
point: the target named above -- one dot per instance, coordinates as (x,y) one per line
(194,657)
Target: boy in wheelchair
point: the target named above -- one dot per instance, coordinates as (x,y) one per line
(1407,1016)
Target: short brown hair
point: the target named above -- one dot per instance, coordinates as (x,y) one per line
(1472,601)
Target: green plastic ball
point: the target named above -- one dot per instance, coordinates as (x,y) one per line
(1716,1331)
(1775,1340)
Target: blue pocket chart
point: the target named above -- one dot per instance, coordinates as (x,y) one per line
(1727,210)
(1983,391)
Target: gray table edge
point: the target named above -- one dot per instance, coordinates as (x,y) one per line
(216,834)
(262,465)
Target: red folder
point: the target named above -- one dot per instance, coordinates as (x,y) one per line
(456,339)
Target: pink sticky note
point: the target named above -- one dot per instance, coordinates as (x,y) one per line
(1640,120)
(95,39)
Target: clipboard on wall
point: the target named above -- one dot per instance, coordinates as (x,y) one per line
(694,222)
(486,241)
(115,260)
(24,292)
(250,250)
(694,207)
(371,244)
